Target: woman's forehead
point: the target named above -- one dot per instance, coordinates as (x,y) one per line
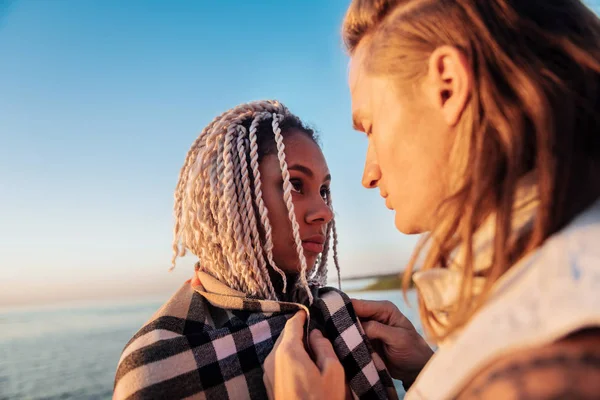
(301,154)
(302,150)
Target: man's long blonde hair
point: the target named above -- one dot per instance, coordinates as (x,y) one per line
(533,108)
(220,215)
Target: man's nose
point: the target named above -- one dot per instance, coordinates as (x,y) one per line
(372,172)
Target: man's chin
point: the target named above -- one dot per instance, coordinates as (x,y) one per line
(408,226)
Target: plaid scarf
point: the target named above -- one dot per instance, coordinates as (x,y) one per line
(210,342)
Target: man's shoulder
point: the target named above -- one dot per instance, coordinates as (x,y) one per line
(568,368)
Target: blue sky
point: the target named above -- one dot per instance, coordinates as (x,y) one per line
(100,101)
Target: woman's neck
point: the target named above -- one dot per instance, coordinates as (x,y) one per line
(277,282)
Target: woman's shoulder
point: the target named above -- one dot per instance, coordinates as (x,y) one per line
(170,322)
(164,349)
(333,300)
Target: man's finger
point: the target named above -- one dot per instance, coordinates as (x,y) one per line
(269,364)
(289,330)
(268,385)
(379,363)
(291,342)
(294,329)
(378,331)
(384,311)
(278,341)
(269,367)
(322,349)
(371,309)
(330,367)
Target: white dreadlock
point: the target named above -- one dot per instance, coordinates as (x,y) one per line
(217,196)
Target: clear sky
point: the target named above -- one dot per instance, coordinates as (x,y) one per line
(99,103)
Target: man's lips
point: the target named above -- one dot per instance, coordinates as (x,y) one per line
(385,195)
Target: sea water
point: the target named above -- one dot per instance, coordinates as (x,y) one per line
(71,351)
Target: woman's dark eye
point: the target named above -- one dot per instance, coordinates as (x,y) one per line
(325,192)
(296,185)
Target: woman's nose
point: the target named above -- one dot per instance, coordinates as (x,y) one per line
(321,213)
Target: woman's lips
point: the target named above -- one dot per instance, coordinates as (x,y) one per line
(314,244)
(313,247)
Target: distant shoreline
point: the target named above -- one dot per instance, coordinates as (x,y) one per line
(373,282)
(371,276)
(381,282)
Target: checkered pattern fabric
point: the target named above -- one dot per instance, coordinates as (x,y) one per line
(332,313)
(210,342)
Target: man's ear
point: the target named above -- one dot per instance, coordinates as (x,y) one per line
(448,82)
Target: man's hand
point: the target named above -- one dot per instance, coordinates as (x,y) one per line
(290,373)
(396,340)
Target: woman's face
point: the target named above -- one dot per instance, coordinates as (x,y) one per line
(310,178)
(410,133)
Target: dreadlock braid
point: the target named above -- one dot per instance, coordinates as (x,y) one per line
(220,214)
(335,253)
(335,243)
(253,246)
(287,198)
(320,274)
(262,210)
(181,185)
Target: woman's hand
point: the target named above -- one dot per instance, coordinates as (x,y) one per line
(290,373)
(396,340)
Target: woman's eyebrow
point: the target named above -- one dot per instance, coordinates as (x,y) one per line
(307,171)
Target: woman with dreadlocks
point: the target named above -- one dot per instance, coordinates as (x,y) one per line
(253,205)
